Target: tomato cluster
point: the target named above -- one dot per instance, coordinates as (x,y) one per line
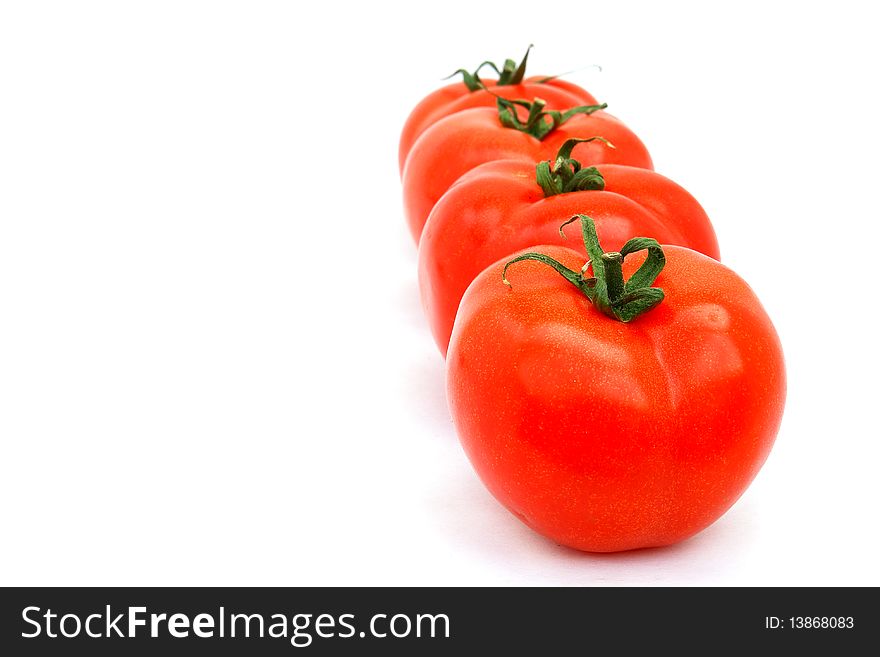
(613,392)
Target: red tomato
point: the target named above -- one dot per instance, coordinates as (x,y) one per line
(498,208)
(452,98)
(603,435)
(455,145)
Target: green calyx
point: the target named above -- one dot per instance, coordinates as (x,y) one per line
(607,290)
(509,74)
(539,122)
(565,173)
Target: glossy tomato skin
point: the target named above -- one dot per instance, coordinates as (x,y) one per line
(605,436)
(498,208)
(452,98)
(464,140)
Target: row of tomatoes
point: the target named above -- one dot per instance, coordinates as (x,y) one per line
(616,391)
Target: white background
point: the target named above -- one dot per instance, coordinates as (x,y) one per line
(213,364)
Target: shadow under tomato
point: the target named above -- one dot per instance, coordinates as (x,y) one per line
(471,518)
(408,305)
(424,392)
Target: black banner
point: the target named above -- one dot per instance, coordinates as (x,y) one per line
(436,621)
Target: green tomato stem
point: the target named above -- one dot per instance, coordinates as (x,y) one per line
(540,122)
(566,175)
(607,290)
(509,74)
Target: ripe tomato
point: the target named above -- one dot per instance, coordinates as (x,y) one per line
(455,145)
(472,92)
(499,207)
(604,435)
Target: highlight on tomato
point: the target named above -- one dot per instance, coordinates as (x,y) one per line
(515,129)
(504,206)
(474,91)
(625,409)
